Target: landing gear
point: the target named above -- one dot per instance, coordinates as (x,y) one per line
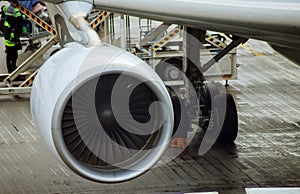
(217,113)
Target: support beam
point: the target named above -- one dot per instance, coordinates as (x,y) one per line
(193,42)
(15,91)
(29,81)
(235,42)
(123,33)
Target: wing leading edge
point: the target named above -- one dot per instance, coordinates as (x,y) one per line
(270,20)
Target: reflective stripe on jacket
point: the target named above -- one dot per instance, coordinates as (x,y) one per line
(6,24)
(9,43)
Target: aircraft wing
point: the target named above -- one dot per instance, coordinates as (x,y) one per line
(275,21)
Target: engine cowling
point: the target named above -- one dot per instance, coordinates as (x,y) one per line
(102,111)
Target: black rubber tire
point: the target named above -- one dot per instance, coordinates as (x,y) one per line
(229,129)
(181,119)
(206,96)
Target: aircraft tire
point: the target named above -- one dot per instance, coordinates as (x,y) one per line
(181,118)
(206,96)
(229,129)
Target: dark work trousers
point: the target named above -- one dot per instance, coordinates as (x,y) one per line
(11,58)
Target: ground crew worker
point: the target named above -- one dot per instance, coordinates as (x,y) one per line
(13,21)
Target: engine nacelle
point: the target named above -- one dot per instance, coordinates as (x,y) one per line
(101,110)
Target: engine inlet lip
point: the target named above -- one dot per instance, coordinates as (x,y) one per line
(119,175)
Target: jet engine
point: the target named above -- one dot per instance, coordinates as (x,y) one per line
(102,111)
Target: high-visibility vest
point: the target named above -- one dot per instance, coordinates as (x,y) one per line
(10,11)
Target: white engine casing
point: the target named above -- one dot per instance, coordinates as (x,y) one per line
(65,72)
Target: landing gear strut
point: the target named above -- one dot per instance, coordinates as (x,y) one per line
(218,113)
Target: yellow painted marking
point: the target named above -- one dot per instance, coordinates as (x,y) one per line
(165,39)
(99,19)
(268,60)
(253,51)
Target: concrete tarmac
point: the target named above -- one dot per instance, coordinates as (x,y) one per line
(266,152)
